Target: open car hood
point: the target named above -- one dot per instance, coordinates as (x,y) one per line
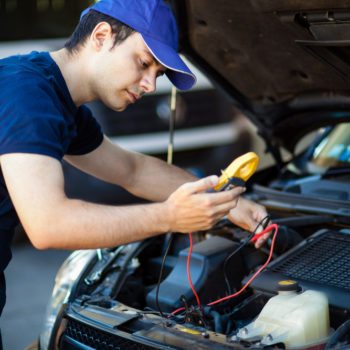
(286,63)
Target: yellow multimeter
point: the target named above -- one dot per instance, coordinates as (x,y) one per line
(238,172)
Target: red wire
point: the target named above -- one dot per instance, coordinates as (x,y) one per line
(188,269)
(258,235)
(268,229)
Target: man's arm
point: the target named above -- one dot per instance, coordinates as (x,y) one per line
(51,220)
(144,176)
(153,179)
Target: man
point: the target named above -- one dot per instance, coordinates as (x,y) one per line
(115,55)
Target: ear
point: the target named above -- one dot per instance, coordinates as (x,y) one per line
(101,35)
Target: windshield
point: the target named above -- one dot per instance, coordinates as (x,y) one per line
(324,163)
(334,149)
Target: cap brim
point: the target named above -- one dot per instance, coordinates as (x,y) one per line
(177,71)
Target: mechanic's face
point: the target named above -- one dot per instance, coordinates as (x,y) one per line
(123,74)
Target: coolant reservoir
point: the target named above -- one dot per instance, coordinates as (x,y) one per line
(299,320)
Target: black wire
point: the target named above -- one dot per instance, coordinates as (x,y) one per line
(241,246)
(263,223)
(161,273)
(170,159)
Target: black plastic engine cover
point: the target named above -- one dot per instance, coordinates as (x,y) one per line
(321,262)
(206,273)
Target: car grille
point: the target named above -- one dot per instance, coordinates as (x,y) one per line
(100,340)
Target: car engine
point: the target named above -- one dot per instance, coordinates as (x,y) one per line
(147,283)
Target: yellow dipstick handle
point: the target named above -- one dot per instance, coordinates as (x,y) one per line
(242,167)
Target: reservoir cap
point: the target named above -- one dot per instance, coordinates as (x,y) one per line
(288,286)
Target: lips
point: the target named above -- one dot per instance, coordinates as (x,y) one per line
(133,97)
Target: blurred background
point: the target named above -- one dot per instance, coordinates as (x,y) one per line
(209,134)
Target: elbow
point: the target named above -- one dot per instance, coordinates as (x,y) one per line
(43,234)
(46,222)
(47,229)
(39,239)
(41,245)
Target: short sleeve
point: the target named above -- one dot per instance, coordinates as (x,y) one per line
(88,133)
(31,118)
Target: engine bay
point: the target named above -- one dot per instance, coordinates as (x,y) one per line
(214,290)
(149,280)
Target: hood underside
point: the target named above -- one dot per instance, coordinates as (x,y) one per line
(275,58)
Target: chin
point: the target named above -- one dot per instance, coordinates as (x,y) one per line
(121,108)
(116,108)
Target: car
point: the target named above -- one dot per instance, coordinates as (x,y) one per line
(285,65)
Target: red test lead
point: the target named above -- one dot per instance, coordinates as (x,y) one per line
(260,234)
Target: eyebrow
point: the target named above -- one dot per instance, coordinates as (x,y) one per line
(163,69)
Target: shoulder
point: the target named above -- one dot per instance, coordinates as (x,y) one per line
(36,69)
(31,81)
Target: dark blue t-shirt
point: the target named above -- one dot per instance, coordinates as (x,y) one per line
(37,115)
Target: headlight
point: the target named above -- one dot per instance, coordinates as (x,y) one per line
(65,279)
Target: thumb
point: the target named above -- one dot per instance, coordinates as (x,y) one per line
(203,185)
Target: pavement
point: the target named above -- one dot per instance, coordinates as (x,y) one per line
(30,279)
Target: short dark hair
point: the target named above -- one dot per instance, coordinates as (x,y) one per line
(87,25)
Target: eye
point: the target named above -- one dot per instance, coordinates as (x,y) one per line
(144,64)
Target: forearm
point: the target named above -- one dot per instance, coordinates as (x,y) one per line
(144,176)
(36,187)
(155,180)
(77,224)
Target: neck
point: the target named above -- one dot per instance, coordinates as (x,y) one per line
(74,72)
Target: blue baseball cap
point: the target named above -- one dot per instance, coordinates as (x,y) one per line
(154,20)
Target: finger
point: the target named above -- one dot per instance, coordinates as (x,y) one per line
(201,185)
(262,240)
(224,209)
(257,227)
(263,220)
(217,198)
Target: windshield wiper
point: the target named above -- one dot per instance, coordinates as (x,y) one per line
(343,170)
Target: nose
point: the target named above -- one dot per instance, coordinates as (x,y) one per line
(148,83)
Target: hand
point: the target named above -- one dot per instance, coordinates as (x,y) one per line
(248,215)
(191,208)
